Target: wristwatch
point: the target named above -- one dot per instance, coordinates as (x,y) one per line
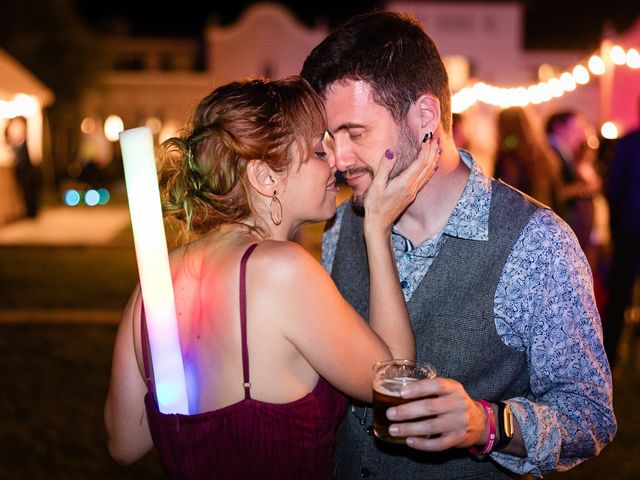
(506,424)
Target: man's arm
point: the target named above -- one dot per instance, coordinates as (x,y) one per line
(544,306)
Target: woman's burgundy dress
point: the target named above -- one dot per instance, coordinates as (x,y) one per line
(249,439)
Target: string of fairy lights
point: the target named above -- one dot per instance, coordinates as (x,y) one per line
(556,86)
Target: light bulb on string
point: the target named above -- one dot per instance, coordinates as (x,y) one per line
(581,75)
(618,55)
(633,58)
(596,65)
(567,81)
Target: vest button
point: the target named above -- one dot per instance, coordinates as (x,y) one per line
(370,430)
(404,284)
(365,473)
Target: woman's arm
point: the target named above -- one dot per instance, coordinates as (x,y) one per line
(317,320)
(124,412)
(384,202)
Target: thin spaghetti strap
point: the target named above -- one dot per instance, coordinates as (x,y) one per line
(144,338)
(243,319)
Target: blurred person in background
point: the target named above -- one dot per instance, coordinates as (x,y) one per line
(567,135)
(623,193)
(523,159)
(16,136)
(459,131)
(597,248)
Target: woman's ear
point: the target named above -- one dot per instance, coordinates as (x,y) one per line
(426,113)
(261,177)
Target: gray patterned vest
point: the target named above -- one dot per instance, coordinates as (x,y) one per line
(452,312)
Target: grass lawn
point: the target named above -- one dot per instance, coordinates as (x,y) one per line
(66,277)
(55,382)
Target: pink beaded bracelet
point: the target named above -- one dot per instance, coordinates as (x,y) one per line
(491,439)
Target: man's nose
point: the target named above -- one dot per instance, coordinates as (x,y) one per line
(343,156)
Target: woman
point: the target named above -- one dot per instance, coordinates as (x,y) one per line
(522,158)
(252,169)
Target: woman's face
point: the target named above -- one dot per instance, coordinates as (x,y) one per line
(310,192)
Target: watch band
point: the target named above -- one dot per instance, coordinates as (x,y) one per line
(505,425)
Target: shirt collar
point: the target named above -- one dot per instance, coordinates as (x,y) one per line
(470,217)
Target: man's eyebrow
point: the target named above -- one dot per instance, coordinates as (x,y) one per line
(347,126)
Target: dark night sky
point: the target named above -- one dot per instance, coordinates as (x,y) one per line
(548,23)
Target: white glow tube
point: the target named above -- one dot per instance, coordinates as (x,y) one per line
(153,266)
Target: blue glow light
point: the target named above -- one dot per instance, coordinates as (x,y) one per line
(167,393)
(105,196)
(92,197)
(71,198)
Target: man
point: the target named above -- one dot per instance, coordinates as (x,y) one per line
(624,206)
(567,136)
(497,287)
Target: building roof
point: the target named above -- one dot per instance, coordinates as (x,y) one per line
(15,79)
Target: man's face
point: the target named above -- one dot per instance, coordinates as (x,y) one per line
(362,130)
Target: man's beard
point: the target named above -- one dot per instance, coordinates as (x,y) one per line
(407,151)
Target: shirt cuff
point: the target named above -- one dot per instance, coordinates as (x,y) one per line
(519,465)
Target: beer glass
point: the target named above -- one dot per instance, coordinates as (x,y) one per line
(389,376)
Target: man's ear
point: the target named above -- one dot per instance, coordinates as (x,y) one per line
(426,113)
(261,177)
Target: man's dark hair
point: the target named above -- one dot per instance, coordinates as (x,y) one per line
(557,119)
(389,51)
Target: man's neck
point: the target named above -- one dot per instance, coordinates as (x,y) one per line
(430,211)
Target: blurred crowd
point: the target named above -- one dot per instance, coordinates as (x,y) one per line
(590,182)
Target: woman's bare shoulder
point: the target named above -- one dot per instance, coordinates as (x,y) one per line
(285,262)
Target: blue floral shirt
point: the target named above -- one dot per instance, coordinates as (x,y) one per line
(544,306)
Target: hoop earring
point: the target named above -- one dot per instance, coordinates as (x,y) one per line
(427,136)
(275,209)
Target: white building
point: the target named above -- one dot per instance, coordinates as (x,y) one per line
(160,81)
(21,94)
(266,41)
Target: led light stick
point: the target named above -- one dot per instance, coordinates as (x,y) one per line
(153,266)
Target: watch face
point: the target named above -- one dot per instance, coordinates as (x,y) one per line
(507,421)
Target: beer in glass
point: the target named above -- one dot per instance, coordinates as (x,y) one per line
(389,377)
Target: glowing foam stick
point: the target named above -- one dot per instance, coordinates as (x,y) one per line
(153,267)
